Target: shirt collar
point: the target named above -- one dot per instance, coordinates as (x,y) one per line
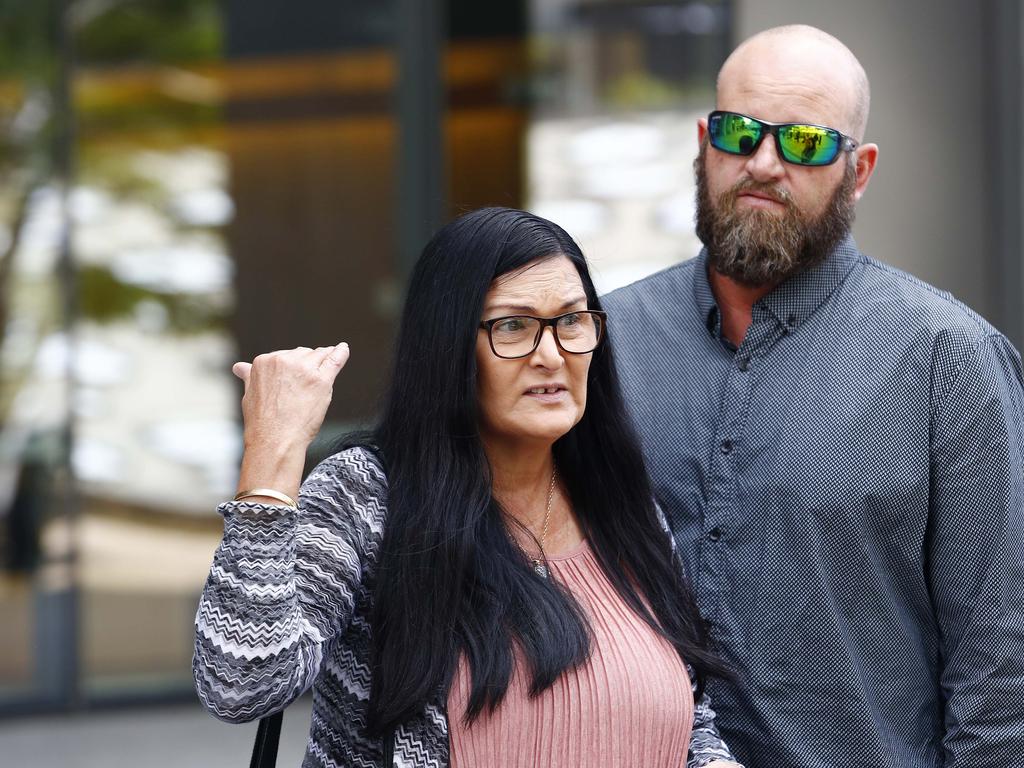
(791,302)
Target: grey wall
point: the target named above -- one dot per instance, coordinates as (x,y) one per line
(944,203)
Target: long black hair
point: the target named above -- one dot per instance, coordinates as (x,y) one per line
(450,579)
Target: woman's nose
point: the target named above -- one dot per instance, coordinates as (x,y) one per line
(548,352)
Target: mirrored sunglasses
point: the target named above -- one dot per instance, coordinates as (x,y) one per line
(797,143)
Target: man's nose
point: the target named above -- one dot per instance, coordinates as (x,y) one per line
(765,165)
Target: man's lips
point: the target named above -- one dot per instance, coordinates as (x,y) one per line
(760,200)
(750,193)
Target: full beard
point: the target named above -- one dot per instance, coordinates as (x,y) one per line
(757,247)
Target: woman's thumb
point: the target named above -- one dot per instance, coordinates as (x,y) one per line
(242,371)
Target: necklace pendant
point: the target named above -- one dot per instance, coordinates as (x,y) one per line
(540,569)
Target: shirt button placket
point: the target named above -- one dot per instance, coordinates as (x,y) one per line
(721,509)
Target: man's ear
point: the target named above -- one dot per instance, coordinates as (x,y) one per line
(866,159)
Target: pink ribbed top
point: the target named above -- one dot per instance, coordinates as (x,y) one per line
(630,704)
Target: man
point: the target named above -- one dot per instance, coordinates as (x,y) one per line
(840,447)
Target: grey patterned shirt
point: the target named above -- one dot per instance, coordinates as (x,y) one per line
(286,607)
(847,491)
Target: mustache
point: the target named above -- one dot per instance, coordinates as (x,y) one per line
(771,191)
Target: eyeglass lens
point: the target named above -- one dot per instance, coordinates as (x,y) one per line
(577,332)
(801,144)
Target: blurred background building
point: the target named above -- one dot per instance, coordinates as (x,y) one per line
(191,182)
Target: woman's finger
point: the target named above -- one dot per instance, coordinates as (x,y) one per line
(335,358)
(319,355)
(242,371)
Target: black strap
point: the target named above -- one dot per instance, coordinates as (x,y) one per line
(389,748)
(264,751)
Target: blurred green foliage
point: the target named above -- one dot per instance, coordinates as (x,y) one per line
(119,117)
(155,112)
(29,66)
(146,31)
(28,38)
(103,298)
(114,119)
(106,32)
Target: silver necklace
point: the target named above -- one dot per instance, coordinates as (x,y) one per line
(540,563)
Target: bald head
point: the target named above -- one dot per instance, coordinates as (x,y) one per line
(803,73)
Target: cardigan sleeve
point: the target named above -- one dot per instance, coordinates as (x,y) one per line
(706,744)
(282,585)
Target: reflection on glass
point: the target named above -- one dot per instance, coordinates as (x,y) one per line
(35,545)
(156,439)
(234,192)
(619,86)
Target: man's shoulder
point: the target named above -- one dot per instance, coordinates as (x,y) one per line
(919,305)
(664,283)
(932,323)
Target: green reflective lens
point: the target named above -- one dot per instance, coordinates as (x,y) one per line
(808,144)
(734,133)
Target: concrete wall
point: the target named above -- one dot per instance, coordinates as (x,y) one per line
(937,203)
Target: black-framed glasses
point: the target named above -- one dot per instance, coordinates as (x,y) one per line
(518,335)
(797,143)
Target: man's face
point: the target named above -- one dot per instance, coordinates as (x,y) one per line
(757,234)
(763,219)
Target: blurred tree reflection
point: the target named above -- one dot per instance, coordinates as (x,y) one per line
(29,135)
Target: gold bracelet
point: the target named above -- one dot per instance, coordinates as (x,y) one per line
(269,493)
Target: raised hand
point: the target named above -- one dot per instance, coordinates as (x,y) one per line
(286,397)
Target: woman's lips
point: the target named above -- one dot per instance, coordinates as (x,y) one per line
(549,394)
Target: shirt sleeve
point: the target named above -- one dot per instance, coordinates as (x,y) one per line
(975,556)
(282,586)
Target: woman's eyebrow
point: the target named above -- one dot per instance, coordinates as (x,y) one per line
(527,309)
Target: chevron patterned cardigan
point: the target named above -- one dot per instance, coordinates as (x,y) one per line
(287,604)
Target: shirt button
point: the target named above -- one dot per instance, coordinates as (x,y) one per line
(743,363)
(715,533)
(725,447)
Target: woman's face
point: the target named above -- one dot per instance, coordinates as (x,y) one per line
(538,398)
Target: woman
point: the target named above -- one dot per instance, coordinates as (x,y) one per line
(490,583)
